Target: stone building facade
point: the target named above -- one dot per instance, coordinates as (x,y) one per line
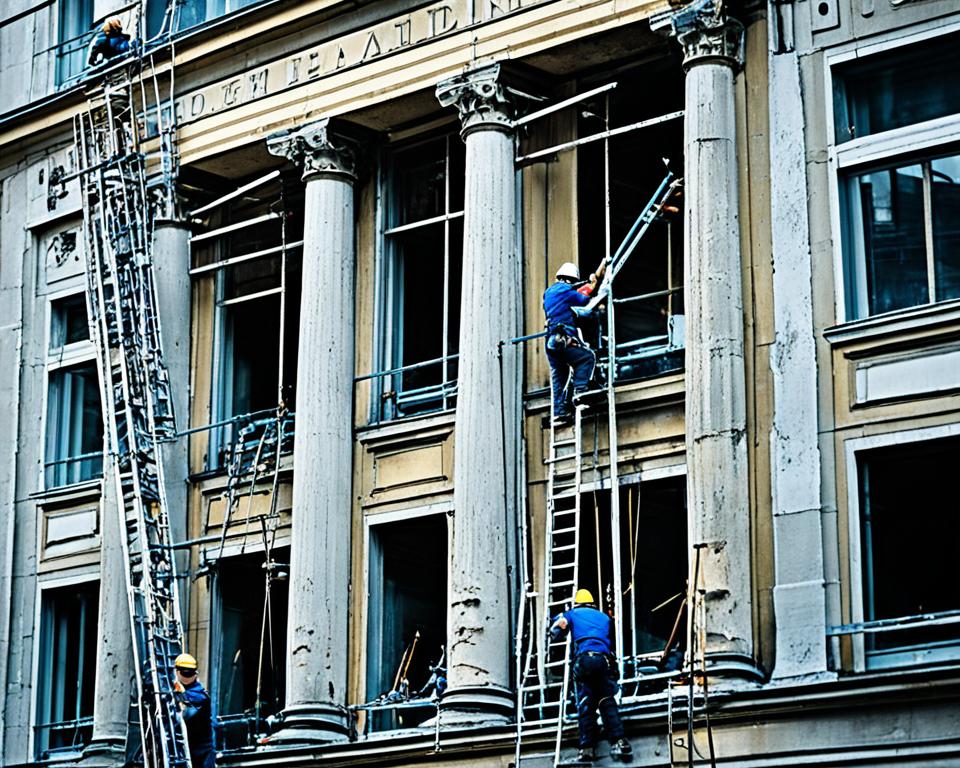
(369,207)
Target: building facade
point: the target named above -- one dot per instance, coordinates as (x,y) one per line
(365,205)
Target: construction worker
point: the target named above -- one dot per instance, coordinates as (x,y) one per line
(110,41)
(196,711)
(567,352)
(595,673)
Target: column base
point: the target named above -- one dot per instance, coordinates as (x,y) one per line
(486,704)
(311,724)
(104,753)
(732,670)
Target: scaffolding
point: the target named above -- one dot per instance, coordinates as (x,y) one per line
(544,665)
(125,186)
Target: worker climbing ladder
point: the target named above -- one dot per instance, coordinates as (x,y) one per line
(544,680)
(119,211)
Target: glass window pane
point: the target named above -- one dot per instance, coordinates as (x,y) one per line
(68,321)
(891,91)
(892,231)
(419,182)
(76,19)
(945,177)
(74,426)
(419,320)
(68,644)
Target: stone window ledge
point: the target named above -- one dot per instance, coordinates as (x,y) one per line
(891,323)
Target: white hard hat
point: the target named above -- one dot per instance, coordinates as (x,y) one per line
(569,269)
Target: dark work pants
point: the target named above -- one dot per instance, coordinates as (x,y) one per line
(562,360)
(596,687)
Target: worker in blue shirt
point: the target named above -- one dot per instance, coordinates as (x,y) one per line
(196,711)
(595,673)
(569,356)
(109,42)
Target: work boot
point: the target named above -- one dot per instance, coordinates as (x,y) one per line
(622,749)
(585,755)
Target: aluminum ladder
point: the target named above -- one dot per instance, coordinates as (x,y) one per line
(118,215)
(543,689)
(542,694)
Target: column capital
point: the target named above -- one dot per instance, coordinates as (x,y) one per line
(487,98)
(706,33)
(325,148)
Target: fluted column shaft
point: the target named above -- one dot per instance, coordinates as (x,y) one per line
(486,420)
(716,439)
(323,448)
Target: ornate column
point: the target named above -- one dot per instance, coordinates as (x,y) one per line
(323,446)
(716,439)
(479,618)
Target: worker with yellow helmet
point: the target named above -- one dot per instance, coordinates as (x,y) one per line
(595,673)
(196,711)
(110,41)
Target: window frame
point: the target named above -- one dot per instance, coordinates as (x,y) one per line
(873,152)
(851,448)
(58,359)
(388,353)
(373,574)
(42,587)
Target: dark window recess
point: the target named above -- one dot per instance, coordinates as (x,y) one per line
(407,596)
(653,557)
(66,674)
(887,91)
(251,641)
(636,170)
(908,532)
(68,321)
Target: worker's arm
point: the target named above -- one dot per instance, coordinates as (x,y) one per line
(591,285)
(560,627)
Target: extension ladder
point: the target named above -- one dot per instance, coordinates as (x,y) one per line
(135,387)
(544,684)
(544,679)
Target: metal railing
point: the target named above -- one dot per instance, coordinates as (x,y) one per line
(73,469)
(392,401)
(62,737)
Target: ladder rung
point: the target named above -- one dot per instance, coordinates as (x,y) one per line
(562,584)
(558,531)
(564,548)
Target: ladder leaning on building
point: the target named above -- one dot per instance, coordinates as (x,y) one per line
(122,187)
(544,665)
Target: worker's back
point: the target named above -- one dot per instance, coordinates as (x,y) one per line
(557,302)
(590,629)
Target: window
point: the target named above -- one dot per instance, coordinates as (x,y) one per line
(908,514)
(190,13)
(258,308)
(250,645)
(407,625)
(74,439)
(68,321)
(75,20)
(67,662)
(616,177)
(423,241)
(652,539)
(901,236)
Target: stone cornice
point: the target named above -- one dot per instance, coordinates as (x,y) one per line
(323,148)
(705,32)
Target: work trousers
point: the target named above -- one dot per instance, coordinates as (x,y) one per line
(563,360)
(595,676)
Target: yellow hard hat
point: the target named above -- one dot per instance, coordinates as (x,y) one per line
(112,24)
(185,661)
(583,596)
